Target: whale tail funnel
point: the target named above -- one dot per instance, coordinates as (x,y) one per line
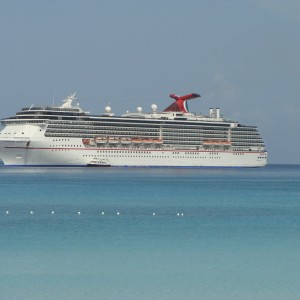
(180,104)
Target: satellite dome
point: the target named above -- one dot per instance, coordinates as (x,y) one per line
(154,107)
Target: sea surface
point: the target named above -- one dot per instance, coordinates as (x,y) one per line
(150,233)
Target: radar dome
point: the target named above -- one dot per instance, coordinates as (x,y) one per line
(108,109)
(139,109)
(154,107)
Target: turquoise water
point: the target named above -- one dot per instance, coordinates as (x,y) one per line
(150,233)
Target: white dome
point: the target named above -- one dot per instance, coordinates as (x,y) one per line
(139,109)
(154,107)
(108,109)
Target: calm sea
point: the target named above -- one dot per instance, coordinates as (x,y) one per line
(150,233)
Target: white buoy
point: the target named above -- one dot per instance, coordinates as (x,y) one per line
(7,212)
(52,212)
(182,214)
(118,213)
(102,213)
(153,214)
(31,212)
(78,212)
(178,214)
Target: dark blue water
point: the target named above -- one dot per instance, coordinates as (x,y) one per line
(150,233)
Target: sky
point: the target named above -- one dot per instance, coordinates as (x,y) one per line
(242,56)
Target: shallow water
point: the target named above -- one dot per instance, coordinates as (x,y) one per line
(150,233)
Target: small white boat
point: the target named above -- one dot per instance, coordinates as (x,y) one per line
(99,163)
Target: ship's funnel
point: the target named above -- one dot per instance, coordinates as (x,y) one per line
(180,104)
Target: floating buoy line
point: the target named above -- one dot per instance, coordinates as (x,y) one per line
(101,213)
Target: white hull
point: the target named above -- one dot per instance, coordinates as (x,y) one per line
(71,152)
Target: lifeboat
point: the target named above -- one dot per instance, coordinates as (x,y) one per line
(148,141)
(86,141)
(113,140)
(157,141)
(125,140)
(216,143)
(100,140)
(136,140)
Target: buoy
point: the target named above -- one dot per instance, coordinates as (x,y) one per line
(153,214)
(178,214)
(182,214)
(118,213)
(78,212)
(31,212)
(52,212)
(7,212)
(102,213)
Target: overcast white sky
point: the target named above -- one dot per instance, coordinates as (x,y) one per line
(240,55)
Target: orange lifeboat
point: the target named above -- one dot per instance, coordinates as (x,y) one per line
(86,141)
(137,140)
(100,140)
(158,141)
(216,143)
(113,140)
(147,141)
(125,140)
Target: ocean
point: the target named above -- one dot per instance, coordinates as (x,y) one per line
(150,233)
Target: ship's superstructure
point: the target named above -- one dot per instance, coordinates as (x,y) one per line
(68,136)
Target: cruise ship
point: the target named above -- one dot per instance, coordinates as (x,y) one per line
(66,135)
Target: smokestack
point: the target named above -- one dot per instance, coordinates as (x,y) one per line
(218,113)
